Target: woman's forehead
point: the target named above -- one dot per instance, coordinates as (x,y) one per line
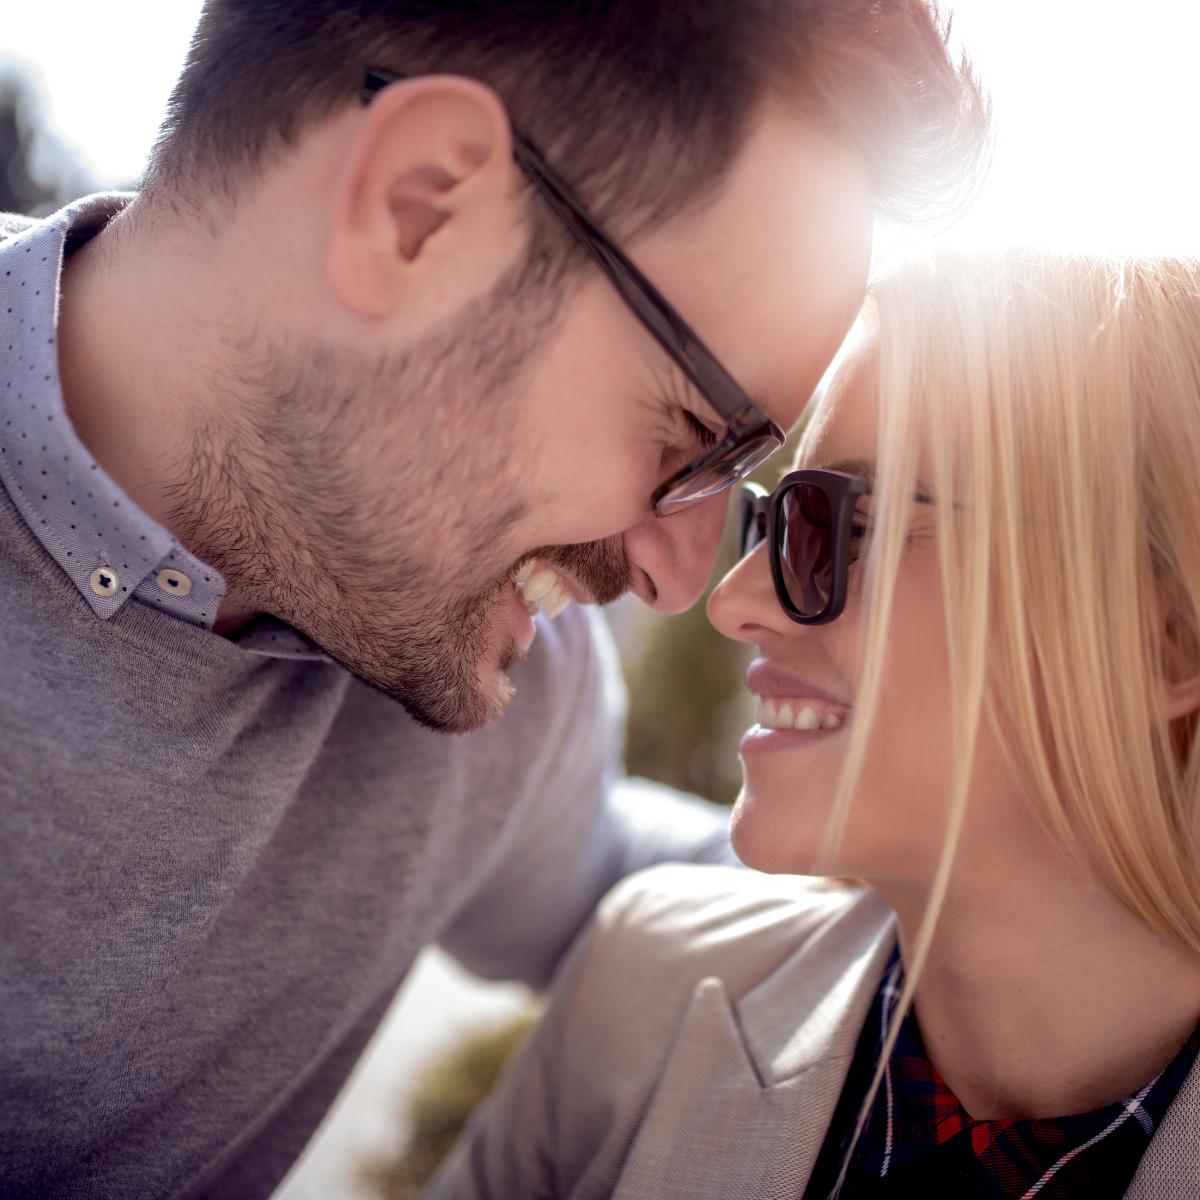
(845,421)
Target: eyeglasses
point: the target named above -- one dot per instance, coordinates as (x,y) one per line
(751,436)
(813,534)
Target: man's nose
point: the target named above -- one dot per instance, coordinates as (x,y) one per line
(672,557)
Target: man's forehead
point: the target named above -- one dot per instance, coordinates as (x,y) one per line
(771,271)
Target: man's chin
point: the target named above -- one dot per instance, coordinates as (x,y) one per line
(494,684)
(452,683)
(491,698)
(498,690)
(468,702)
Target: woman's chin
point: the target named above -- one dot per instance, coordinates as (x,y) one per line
(783,809)
(762,839)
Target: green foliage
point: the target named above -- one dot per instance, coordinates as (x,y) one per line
(440,1105)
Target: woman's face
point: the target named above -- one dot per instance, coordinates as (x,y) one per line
(896,820)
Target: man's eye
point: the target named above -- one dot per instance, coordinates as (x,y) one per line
(705,436)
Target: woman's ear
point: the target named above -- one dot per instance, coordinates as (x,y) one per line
(1181,658)
(1180,699)
(424,213)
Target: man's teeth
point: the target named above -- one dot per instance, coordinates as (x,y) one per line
(776,713)
(542,587)
(539,584)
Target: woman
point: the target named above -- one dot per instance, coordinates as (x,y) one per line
(976,609)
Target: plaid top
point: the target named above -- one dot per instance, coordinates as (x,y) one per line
(920,1141)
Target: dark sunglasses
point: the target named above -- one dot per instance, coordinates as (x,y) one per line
(751,436)
(813,535)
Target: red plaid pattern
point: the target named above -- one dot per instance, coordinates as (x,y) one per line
(920,1142)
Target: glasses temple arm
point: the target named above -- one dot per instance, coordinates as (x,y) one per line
(670,330)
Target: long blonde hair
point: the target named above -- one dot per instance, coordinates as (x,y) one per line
(1054,403)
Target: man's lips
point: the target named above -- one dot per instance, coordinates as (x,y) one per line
(522,621)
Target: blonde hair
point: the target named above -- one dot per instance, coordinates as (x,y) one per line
(1054,405)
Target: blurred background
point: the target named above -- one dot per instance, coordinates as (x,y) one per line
(1096,117)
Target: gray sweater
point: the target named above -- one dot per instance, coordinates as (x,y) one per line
(216,867)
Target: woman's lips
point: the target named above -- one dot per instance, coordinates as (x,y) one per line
(791,711)
(765,678)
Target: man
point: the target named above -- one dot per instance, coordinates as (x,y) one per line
(318,419)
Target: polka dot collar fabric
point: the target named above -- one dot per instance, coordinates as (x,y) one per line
(110,548)
(112,551)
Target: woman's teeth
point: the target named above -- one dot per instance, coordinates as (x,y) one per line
(775,712)
(543,587)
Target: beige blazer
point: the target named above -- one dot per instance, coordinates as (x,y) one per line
(696,1044)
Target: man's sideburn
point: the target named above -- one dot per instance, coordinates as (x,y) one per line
(386,579)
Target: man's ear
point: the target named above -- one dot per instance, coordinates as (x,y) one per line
(425,215)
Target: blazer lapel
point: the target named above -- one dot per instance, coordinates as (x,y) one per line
(748,1090)
(1171,1165)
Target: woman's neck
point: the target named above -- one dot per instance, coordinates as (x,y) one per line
(1040,997)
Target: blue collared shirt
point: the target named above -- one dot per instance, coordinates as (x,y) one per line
(111,550)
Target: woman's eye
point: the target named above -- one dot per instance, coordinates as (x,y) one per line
(860,536)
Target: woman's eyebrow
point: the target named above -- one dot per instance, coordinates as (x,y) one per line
(862,467)
(865,468)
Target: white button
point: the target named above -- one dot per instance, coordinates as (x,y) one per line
(175,582)
(104,581)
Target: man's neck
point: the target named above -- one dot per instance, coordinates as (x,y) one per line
(135,361)
(1041,997)
(109,346)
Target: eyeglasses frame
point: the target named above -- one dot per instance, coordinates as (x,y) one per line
(745,421)
(759,511)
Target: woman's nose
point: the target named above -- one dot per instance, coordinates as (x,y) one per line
(743,606)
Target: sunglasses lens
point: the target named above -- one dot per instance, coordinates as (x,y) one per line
(805,532)
(716,473)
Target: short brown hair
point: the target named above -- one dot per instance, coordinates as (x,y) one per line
(641,104)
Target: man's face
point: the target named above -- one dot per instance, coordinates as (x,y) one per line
(540,435)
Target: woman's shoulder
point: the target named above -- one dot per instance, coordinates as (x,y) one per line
(566,1115)
(664,929)
(708,888)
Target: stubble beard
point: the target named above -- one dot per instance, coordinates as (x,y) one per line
(368,501)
